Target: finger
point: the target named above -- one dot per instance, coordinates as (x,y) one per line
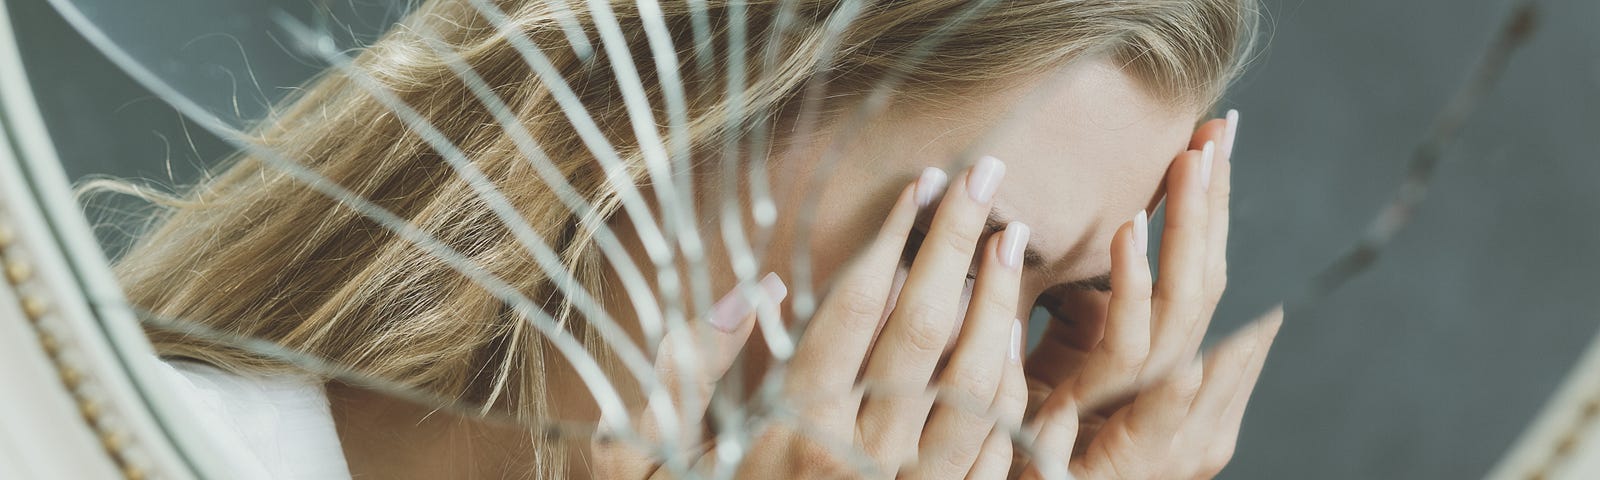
(1157,414)
(688,365)
(1227,429)
(822,372)
(1113,369)
(1225,367)
(1055,360)
(1082,311)
(994,461)
(1055,432)
(924,317)
(1134,441)
(1229,133)
(1219,194)
(1010,403)
(1075,327)
(968,385)
(1180,296)
(1214,131)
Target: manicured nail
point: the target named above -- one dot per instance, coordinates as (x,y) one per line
(1228,134)
(1015,242)
(1207,154)
(774,287)
(1016,341)
(1141,233)
(731,311)
(985,178)
(930,186)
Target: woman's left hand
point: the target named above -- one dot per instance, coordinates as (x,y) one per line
(1143,337)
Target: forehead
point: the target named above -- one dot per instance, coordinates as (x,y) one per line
(1088,150)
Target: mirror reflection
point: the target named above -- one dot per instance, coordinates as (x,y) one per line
(768,239)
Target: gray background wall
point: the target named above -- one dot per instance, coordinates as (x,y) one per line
(1427,366)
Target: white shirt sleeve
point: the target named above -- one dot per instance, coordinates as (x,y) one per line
(282,422)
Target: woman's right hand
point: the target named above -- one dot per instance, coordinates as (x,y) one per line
(858,398)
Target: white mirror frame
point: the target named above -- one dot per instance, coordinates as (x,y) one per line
(80,393)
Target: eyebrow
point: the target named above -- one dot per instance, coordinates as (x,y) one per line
(1032,258)
(1098,283)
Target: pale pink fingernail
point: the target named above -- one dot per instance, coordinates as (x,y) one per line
(1016,341)
(730,312)
(984,178)
(931,185)
(1141,233)
(776,290)
(1207,154)
(1014,243)
(1229,133)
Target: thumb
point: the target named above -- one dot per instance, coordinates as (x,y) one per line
(690,361)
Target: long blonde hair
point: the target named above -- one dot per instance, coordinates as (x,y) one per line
(256,252)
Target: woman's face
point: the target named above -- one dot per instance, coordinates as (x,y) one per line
(1085,156)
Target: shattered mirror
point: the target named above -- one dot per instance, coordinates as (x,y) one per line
(784,238)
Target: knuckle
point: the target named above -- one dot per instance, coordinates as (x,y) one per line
(924,338)
(804,456)
(858,304)
(997,452)
(1217,281)
(815,458)
(925,328)
(957,457)
(967,384)
(959,241)
(1217,459)
(1012,400)
(1141,291)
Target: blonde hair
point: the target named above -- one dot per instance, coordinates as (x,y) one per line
(255,252)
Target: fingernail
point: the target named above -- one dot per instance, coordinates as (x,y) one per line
(1014,243)
(985,178)
(730,312)
(1016,341)
(1208,153)
(1141,233)
(774,287)
(931,185)
(1229,132)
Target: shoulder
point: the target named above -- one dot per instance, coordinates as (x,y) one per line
(283,421)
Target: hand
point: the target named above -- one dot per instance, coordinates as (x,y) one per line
(1185,424)
(887,421)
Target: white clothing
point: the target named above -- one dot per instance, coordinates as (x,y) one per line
(282,422)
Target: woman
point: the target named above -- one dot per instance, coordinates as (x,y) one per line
(1081,116)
